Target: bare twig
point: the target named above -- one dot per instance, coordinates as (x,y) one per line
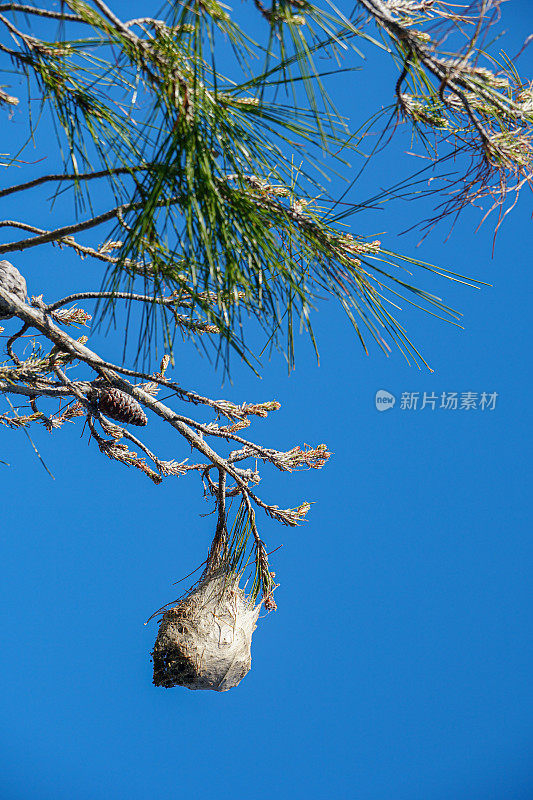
(34,447)
(74,176)
(40,12)
(68,230)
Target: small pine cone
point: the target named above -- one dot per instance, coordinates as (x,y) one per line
(11,281)
(121,406)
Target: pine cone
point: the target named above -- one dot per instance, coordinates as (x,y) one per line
(120,406)
(11,281)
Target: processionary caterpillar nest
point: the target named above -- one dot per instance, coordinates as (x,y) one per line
(13,282)
(205,641)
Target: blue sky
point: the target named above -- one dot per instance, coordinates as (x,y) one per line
(398,665)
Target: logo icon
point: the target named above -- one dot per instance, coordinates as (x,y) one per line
(384,400)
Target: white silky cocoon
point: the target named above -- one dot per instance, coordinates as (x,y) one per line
(13,282)
(205,641)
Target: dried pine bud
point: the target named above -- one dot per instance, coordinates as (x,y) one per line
(11,281)
(120,406)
